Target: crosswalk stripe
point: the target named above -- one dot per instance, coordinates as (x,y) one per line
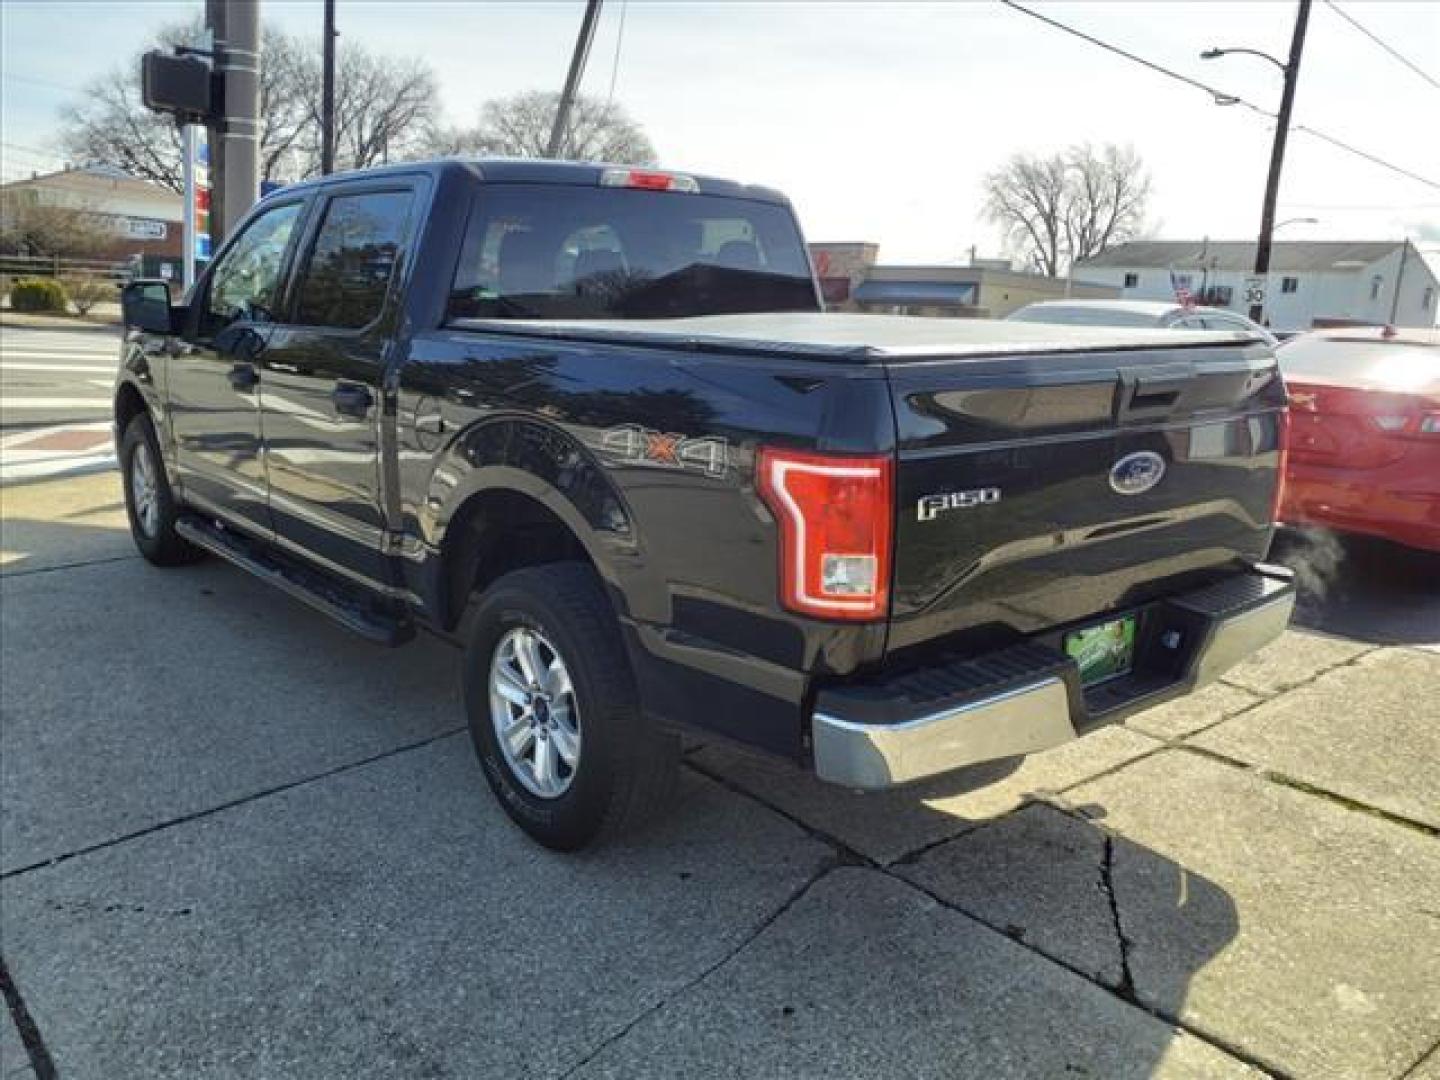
(79,369)
(9,404)
(49,354)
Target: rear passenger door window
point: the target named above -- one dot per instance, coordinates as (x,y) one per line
(353,260)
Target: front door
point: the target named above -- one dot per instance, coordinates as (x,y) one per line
(323,375)
(213,377)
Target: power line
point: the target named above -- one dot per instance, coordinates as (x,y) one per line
(1367,156)
(615,63)
(33,151)
(42,82)
(1351,20)
(1220,97)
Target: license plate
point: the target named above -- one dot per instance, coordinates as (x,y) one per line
(1103,651)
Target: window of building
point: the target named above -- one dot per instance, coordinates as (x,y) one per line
(244,283)
(348,273)
(1428,298)
(1289,285)
(1375,283)
(1132,280)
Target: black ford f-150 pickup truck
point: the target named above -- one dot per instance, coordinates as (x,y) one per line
(594,421)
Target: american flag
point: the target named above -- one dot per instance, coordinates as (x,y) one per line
(1183,296)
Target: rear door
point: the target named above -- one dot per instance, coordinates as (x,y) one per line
(213,378)
(1035,491)
(324,378)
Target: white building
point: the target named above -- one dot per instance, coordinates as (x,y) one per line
(1311,282)
(129,214)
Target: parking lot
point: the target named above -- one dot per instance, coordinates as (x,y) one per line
(238,842)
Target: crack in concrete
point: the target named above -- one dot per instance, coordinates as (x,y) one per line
(826,866)
(1126,989)
(21,573)
(208,811)
(846,855)
(1433,1052)
(1284,780)
(1275,695)
(41,1063)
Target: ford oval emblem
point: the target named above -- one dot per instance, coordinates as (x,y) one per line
(1136,473)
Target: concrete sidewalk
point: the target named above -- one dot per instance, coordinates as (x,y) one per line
(236,842)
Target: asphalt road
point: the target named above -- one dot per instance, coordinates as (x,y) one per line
(55,393)
(53,377)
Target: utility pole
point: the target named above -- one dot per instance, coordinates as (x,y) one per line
(572,80)
(327,92)
(235,128)
(1277,152)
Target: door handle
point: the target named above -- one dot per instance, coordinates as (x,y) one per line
(352,399)
(243,377)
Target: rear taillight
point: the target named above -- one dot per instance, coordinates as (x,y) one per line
(836,518)
(649,180)
(1282,460)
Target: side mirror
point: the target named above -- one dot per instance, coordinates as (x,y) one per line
(146,306)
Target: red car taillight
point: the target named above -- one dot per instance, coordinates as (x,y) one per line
(836,517)
(1282,460)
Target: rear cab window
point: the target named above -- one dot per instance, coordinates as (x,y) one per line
(535,251)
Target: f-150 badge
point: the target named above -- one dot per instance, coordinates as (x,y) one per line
(929,507)
(637,445)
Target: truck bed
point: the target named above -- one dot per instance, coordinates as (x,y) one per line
(856,337)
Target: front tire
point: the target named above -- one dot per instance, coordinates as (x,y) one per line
(553,712)
(149,502)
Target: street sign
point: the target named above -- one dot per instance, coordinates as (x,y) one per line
(1254,292)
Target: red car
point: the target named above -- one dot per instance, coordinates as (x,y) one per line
(1364,438)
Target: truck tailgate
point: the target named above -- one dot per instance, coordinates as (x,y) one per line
(1038,490)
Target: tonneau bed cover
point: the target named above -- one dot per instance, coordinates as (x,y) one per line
(857,337)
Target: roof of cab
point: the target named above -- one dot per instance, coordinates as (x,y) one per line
(532,171)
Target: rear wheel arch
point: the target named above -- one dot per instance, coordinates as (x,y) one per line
(495,531)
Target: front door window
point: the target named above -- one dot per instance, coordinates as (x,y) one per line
(246,282)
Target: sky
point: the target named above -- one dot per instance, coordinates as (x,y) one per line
(880,119)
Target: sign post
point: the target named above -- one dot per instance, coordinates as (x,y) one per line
(187,229)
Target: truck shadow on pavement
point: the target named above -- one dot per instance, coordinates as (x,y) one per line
(240,841)
(1362,587)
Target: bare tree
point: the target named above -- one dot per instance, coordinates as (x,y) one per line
(519,126)
(1060,209)
(1027,199)
(1110,193)
(112,127)
(383,107)
(32,228)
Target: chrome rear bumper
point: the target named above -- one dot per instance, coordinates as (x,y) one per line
(1028,698)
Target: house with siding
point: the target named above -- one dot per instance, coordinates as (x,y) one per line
(1311,283)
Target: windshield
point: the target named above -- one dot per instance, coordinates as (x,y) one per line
(565,252)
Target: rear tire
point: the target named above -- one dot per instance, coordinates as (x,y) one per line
(553,711)
(149,502)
